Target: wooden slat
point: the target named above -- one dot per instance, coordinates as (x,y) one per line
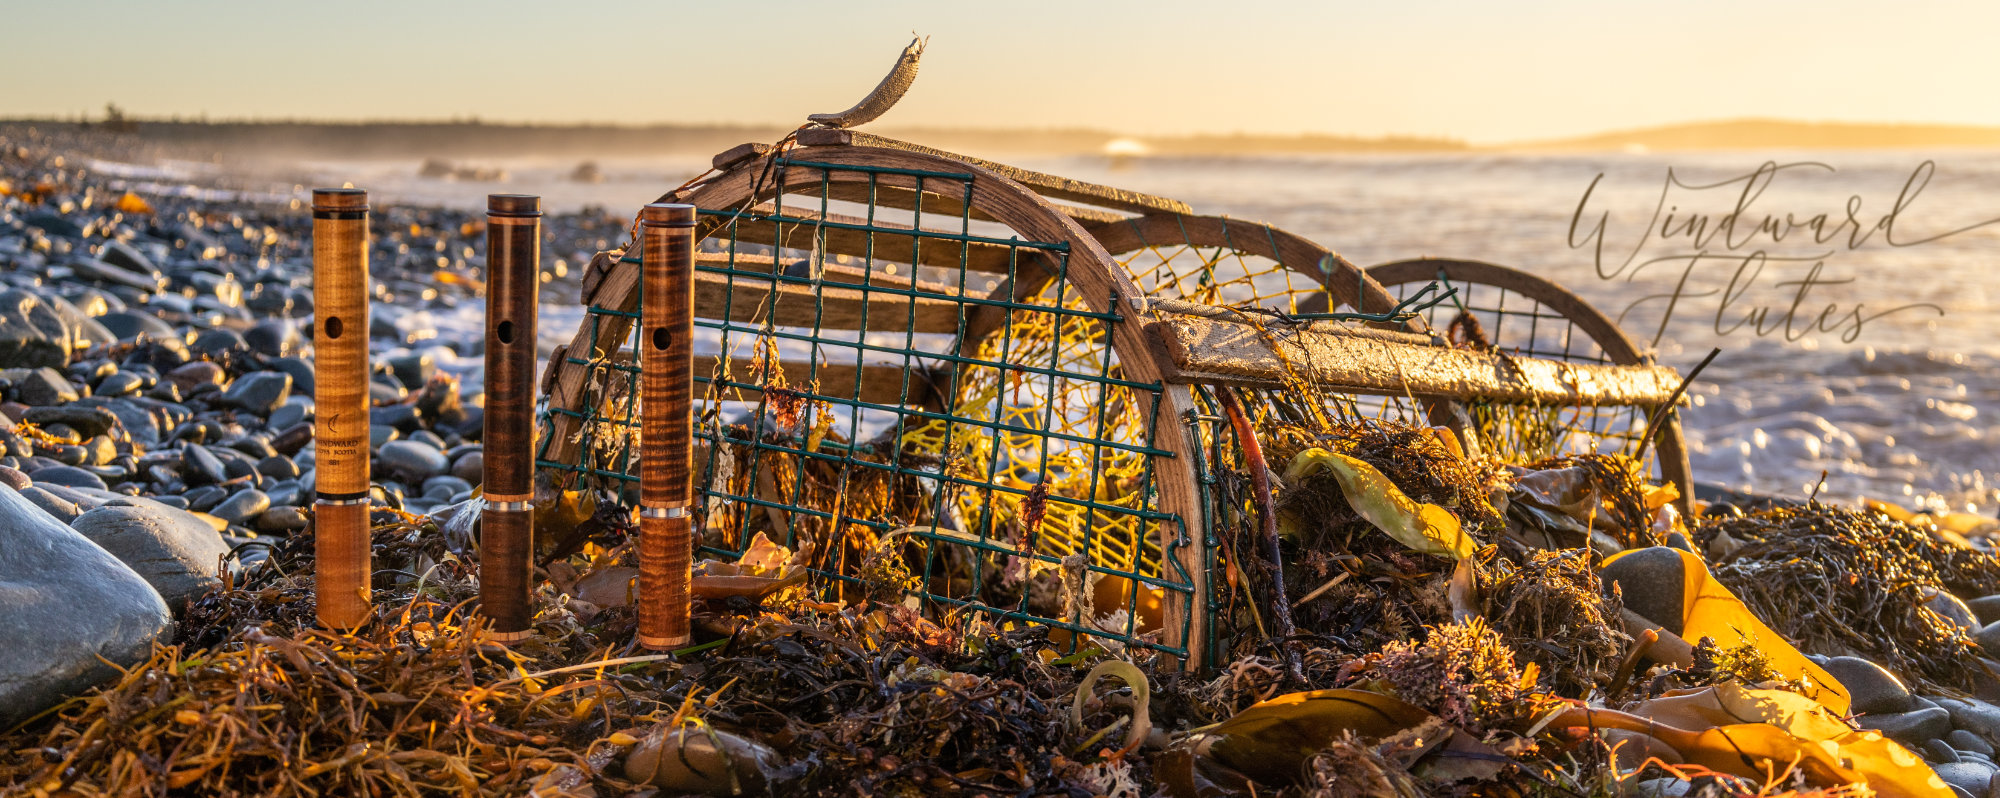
(1047,185)
(839,273)
(880,384)
(889,246)
(746,298)
(1198,350)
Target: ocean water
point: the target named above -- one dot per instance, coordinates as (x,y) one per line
(1852,296)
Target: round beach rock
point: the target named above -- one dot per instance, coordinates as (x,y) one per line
(1875,691)
(411,462)
(69,602)
(1652,582)
(171,549)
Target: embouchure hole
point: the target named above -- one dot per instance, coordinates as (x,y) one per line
(333,327)
(661,338)
(506,332)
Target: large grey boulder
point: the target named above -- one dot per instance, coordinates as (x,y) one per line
(32,333)
(171,549)
(68,602)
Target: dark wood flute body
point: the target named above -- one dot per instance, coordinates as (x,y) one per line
(506,538)
(340,397)
(666,384)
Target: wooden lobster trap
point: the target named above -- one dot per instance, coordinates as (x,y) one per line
(990,389)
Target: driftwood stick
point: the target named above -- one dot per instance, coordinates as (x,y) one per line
(1267,514)
(340,394)
(507,522)
(666,404)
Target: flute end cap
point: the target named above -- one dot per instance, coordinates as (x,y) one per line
(514,204)
(667,214)
(340,199)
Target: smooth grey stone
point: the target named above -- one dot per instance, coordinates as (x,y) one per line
(206,497)
(301,371)
(12,477)
(199,465)
(1970,743)
(88,421)
(176,502)
(125,256)
(403,418)
(1652,583)
(272,337)
(291,412)
(99,271)
(255,446)
(277,467)
(1937,751)
(286,491)
(171,549)
(127,325)
(40,387)
(85,502)
(1986,607)
(69,477)
(242,506)
(1972,777)
(379,435)
(411,462)
(133,417)
(1974,716)
(123,383)
(444,486)
(413,370)
(69,603)
(57,507)
(1910,728)
(1874,690)
(218,341)
(1952,609)
(470,466)
(279,520)
(429,437)
(260,392)
(1988,638)
(32,334)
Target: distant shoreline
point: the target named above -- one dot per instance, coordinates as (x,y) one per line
(475,139)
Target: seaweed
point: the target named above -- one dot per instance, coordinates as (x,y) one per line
(1839,581)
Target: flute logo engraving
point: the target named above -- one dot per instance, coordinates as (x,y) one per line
(1722,258)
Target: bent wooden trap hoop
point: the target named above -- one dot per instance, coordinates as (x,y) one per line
(1547,320)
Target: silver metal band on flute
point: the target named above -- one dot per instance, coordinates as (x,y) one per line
(340,502)
(680,511)
(508,507)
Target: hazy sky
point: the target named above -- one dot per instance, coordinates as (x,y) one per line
(1473,69)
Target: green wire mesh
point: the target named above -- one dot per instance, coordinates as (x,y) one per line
(963,435)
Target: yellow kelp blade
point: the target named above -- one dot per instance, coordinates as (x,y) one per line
(1709,610)
(1762,751)
(1427,528)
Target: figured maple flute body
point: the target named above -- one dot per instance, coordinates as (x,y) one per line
(507,532)
(340,398)
(666,385)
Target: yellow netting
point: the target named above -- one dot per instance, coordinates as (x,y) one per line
(1218,276)
(1027,407)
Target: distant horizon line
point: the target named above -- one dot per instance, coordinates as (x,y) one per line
(1744,132)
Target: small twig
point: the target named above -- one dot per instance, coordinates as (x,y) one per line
(1653,424)
(1318,591)
(1267,512)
